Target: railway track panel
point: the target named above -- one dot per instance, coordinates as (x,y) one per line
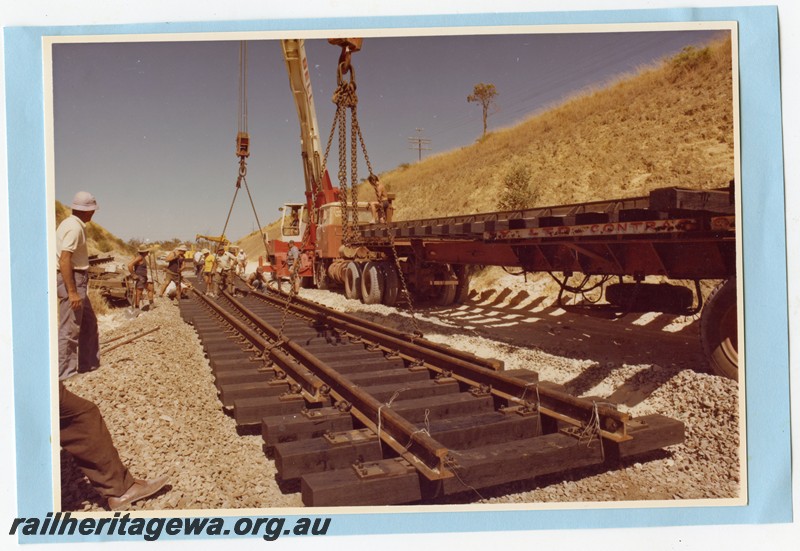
(366,417)
(673,232)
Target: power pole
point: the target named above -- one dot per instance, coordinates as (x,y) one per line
(419,143)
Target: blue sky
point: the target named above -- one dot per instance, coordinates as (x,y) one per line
(150,127)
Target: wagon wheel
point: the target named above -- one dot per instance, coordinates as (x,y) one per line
(446,294)
(352,281)
(462,289)
(373,284)
(392,285)
(321,280)
(719,330)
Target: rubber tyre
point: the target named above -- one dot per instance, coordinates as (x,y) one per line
(373,283)
(447,293)
(391,290)
(352,281)
(719,330)
(321,280)
(462,289)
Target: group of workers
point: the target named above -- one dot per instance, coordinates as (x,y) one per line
(83,432)
(217,269)
(214,269)
(173,283)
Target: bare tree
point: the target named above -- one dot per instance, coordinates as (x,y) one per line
(483,94)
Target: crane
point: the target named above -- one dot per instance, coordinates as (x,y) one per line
(221,239)
(674,232)
(320,217)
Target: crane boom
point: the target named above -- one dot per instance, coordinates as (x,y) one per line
(294,55)
(317,224)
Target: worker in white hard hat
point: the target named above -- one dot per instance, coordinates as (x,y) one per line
(198,258)
(82,430)
(78,342)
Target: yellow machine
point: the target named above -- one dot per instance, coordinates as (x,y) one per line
(221,240)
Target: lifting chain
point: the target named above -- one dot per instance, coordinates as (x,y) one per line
(347,233)
(417,333)
(344,98)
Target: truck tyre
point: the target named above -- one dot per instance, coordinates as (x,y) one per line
(372,283)
(352,281)
(462,289)
(446,294)
(391,285)
(719,330)
(321,280)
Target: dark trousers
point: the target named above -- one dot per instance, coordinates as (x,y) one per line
(85,436)
(78,340)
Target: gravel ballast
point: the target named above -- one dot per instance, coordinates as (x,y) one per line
(160,404)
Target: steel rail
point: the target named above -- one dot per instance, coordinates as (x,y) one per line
(606,206)
(311,384)
(315,311)
(424,452)
(550,401)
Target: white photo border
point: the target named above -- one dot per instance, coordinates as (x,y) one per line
(763,242)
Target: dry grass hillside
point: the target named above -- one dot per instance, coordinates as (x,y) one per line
(668,125)
(252,243)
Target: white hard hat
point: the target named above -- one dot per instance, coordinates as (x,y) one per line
(84,201)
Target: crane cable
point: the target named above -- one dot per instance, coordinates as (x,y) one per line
(243,145)
(241,123)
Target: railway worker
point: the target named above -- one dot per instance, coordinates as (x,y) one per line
(78,340)
(174,267)
(138,269)
(172,290)
(241,262)
(292,255)
(199,257)
(85,436)
(256,280)
(225,263)
(380,206)
(233,249)
(209,264)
